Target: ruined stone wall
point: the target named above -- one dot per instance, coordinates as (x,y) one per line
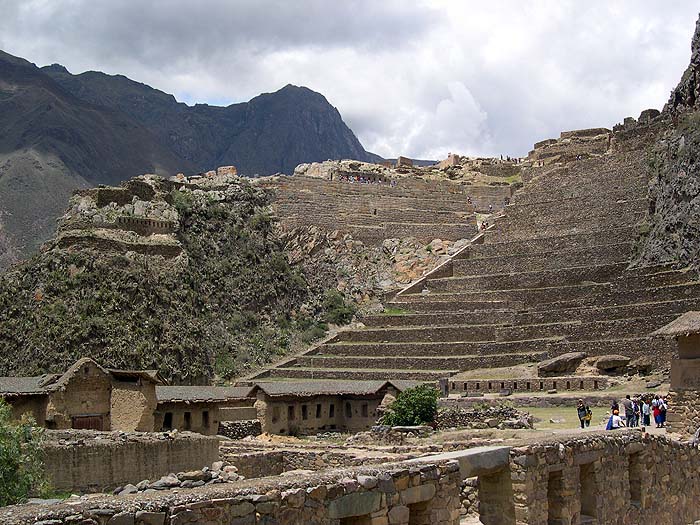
(240,429)
(35,406)
(96,461)
(683,415)
(196,417)
(614,478)
(399,494)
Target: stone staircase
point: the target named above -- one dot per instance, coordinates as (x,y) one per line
(552,276)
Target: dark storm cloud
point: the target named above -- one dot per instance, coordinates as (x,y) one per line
(419,78)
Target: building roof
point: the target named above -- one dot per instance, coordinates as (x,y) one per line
(36,385)
(23,385)
(328,387)
(195,394)
(688,323)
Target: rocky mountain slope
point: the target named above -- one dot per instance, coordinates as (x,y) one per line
(673,225)
(60,132)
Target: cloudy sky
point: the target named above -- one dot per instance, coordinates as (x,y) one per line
(420,78)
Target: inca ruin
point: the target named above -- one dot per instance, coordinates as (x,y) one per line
(270,325)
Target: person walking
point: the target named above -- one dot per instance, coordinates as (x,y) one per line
(629,409)
(646,412)
(584,414)
(655,410)
(662,412)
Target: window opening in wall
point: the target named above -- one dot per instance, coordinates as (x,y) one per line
(527,385)
(478,386)
(587,482)
(635,477)
(568,385)
(290,413)
(453,386)
(580,385)
(515,385)
(168,421)
(318,411)
(464,386)
(595,385)
(490,387)
(365,410)
(555,499)
(348,410)
(331,410)
(304,412)
(205,419)
(554,385)
(541,385)
(275,414)
(187,425)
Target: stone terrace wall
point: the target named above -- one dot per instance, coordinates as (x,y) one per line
(424,494)
(528,384)
(93,461)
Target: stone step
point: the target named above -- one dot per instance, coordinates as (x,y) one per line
(588,256)
(427,305)
(625,311)
(434,363)
(437,319)
(548,244)
(525,295)
(634,296)
(409,350)
(526,279)
(357,374)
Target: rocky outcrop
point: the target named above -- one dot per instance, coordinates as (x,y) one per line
(608,363)
(686,95)
(563,364)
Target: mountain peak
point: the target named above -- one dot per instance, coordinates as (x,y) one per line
(55,68)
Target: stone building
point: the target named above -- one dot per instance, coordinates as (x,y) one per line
(684,397)
(403,162)
(311,406)
(201,408)
(86,396)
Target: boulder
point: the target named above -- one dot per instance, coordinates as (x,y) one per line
(612,362)
(563,364)
(642,365)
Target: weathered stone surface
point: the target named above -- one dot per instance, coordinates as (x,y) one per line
(356,504)
(563,364)
(399,515)
(123,518)
(417,494)
(150,518)
(611,362)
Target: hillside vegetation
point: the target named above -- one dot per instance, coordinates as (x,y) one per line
(230,302)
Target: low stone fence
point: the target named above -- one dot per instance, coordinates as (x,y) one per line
(401,494)
(91,461)
(497,416)
(240,429)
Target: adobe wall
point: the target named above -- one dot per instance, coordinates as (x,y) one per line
(132,406)
(32,405)
(203,417)
(294,416)
(87,393)
(96,461)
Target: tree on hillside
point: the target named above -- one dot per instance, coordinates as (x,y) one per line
(21,464)
(413,406)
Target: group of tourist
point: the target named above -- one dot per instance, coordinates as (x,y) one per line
(637,412)
(359,179)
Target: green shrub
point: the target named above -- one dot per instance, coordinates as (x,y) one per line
(413,406)
(21,465)
(337,310)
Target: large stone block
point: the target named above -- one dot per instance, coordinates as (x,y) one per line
(417,494)
(356,504)
(685,374)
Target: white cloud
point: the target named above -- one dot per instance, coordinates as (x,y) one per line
(420,78)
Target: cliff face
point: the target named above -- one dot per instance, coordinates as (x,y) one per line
(673,227)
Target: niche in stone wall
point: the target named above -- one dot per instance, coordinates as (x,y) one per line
(588,488)
(635,478)
(555,498)
(496,505)
(356,520)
